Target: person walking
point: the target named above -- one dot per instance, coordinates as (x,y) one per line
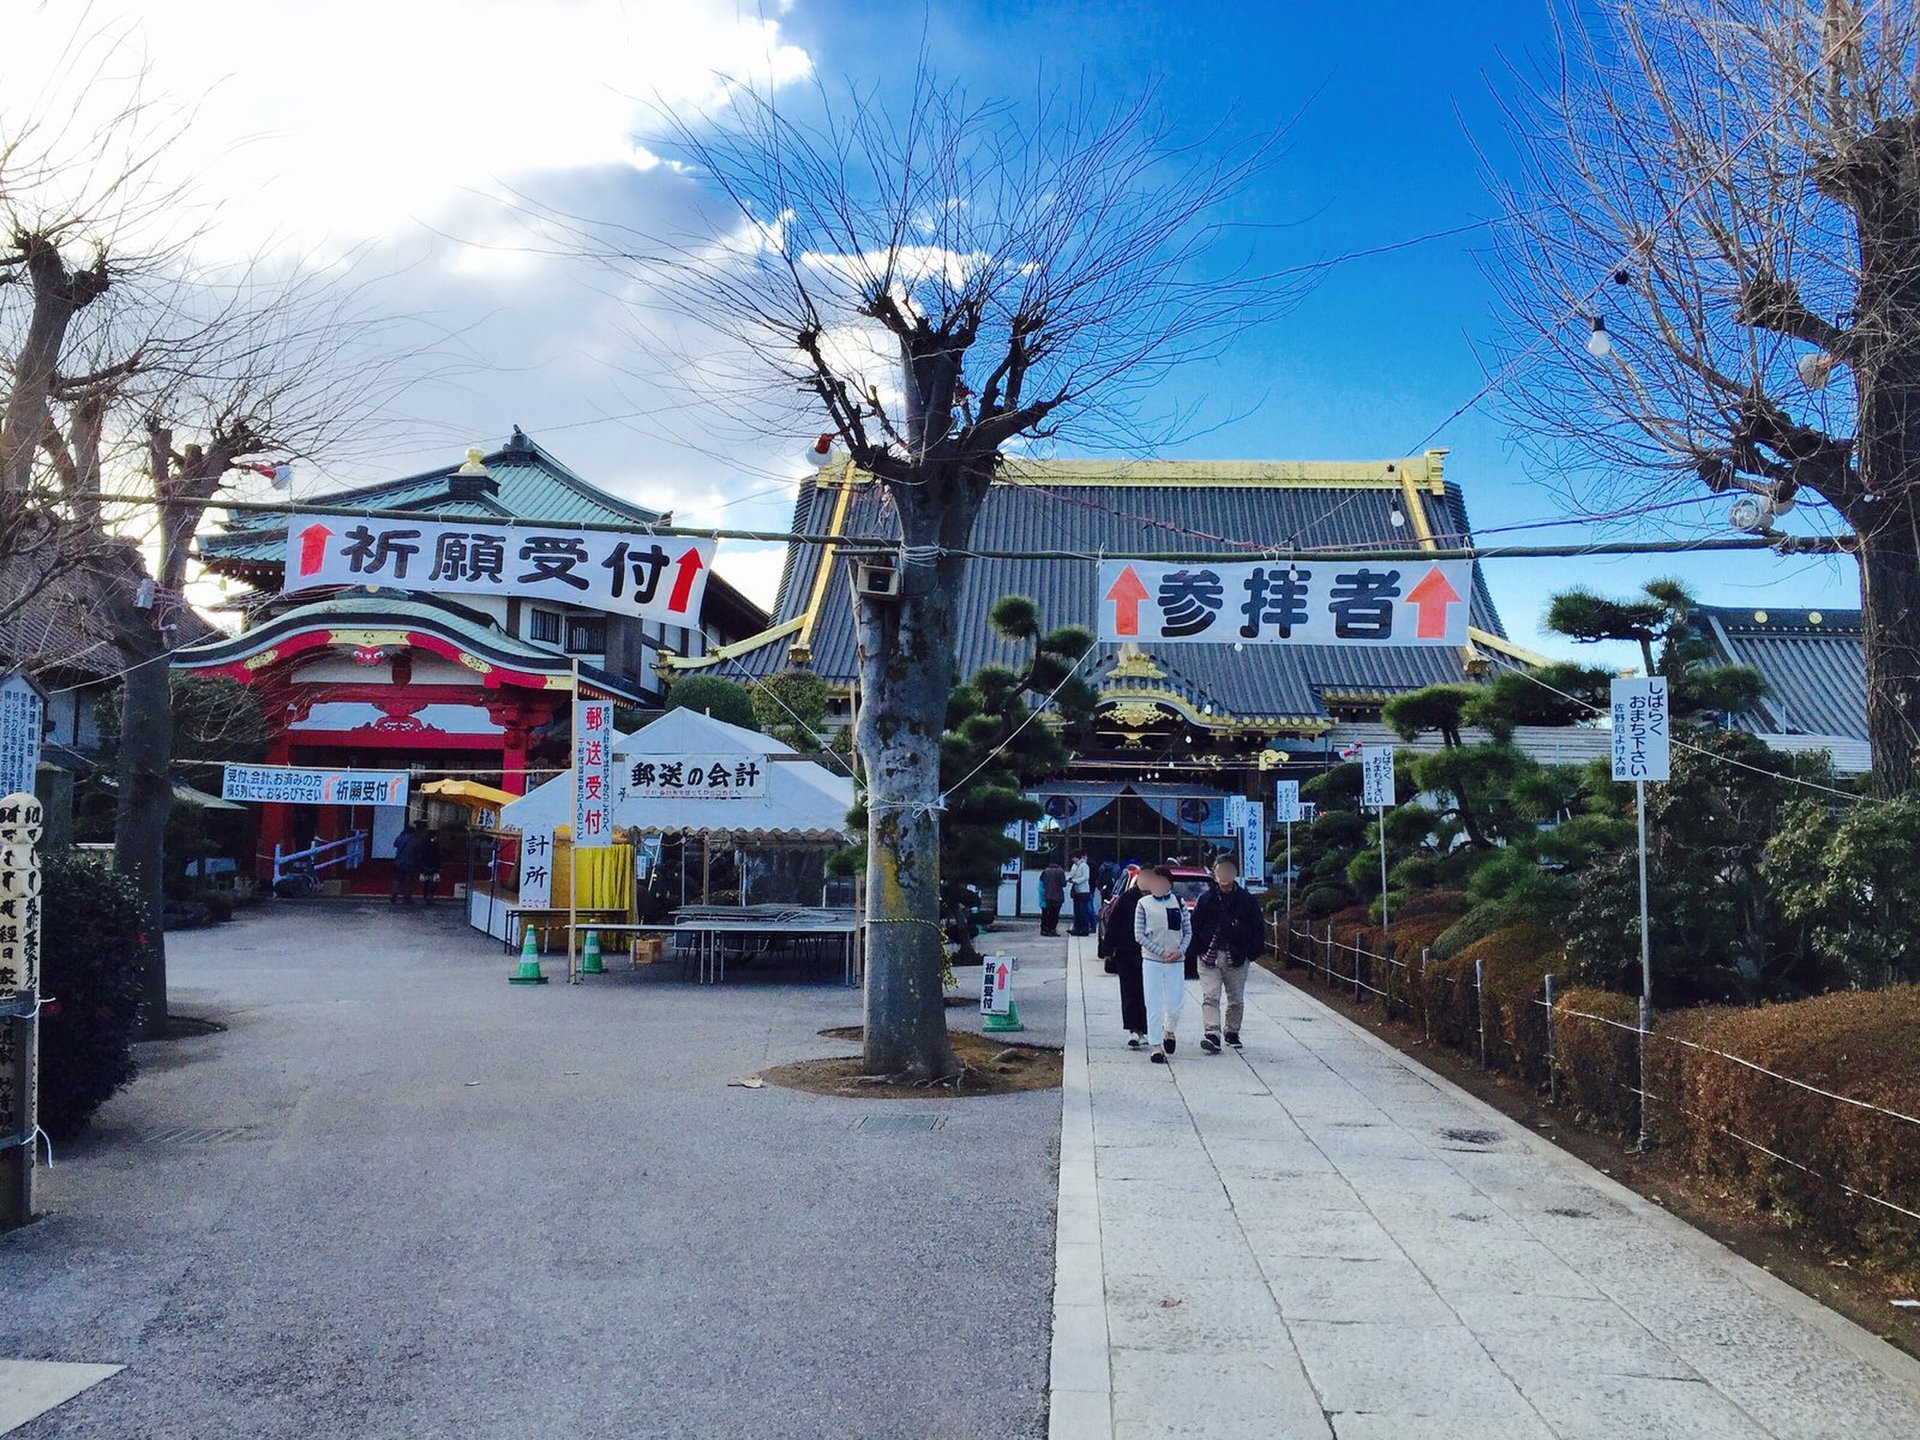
(1080,886)
(1053,895)
(1228,935)
(1122,954)
(429,864)
(1163,929)
(406,862)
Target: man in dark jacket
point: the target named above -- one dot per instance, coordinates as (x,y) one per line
(1053,896)
(1228,934)
(1121,950)
(406,862)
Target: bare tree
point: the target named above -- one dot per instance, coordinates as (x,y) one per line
(942,282)
(1714,243)
(139,380)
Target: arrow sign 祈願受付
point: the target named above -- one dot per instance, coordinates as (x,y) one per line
(1126,593)
(1430,600)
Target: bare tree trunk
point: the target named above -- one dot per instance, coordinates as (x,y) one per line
(146,788)
(1890,602)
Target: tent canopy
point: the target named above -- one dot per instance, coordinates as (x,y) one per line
(804,803)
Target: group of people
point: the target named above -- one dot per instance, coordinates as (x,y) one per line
(1073,881)
(416,857)
(1154,945)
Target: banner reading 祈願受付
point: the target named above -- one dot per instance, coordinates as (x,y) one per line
(652,577)
(1276,602)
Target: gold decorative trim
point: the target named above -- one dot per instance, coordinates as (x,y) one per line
(1135,663)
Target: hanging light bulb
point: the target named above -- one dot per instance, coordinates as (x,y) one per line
(1599,343)
(819,449)
(1395,518)
(1816,369)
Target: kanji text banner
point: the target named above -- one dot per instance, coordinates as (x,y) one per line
(1274,602)
(314,787)
(648,576)
(692,776)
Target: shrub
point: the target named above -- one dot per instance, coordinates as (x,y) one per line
(1864,1045)
(1323,900)
(1451,903)
(1514,964)
(93,950)
(219,904)
(1447,1000)
(1478,922)
(1599,1062)
(722,699)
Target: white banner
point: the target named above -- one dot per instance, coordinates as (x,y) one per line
(536,871)
(1236,813)
(1253,846)
(1286,802)
(1640,742)
(1318,602)
(648,576)
(1376,777)
(592,772)
(23,721)
(689,776)
(314,787)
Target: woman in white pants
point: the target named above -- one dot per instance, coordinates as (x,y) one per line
(1163,928)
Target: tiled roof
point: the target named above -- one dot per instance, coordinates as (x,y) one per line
(1814,662)
(60,629)
(1241,509)
(531,485)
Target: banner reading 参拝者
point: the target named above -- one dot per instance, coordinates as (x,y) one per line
(1275,602)
(650,577)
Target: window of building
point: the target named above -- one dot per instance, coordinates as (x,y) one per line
(544,626)
(586,636)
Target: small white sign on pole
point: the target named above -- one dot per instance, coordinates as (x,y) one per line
(1641,749)
(1286,802)
(1376,777)
(996,985)
(536,871)
(1236,813)
(23,721)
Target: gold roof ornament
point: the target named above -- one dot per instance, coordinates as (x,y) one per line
(1133,663)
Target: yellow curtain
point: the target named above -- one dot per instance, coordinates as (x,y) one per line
(606,877)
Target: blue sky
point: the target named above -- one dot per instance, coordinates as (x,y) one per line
(462,105)
(1391,99)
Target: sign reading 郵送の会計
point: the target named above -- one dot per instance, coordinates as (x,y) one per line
(690,776)
(314,787)
(1640,741)
(1277,602)
(650,577)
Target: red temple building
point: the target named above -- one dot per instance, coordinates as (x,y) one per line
(444,686)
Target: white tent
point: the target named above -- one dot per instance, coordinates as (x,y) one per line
(804,802)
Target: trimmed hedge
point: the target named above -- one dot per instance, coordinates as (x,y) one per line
(1599,1062)
(93,949)
(1861,1044)
(1476,924)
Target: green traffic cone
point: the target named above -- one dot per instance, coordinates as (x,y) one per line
(529,971)
(1003,1024)
(590,957)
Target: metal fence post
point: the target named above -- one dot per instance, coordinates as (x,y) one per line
(1386,983)
(1553,1061)
(1329,954)
(1353,966)
(1480,1007)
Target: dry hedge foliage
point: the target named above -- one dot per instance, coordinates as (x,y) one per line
(1599,1062)
(1861,1044)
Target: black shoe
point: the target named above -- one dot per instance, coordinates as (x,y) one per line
(1157,1058)
(1233,1038)
(1167,1042)
(1210,1044)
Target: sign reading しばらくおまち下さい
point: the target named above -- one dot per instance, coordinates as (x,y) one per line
(650,577)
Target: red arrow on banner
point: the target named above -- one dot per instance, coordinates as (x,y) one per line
(687,567)
(1431,597)
(313,548)
(1126,595)
(1000,980)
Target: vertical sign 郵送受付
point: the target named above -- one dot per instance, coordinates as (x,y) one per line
(593,773)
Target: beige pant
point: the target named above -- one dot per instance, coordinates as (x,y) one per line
(1214,979)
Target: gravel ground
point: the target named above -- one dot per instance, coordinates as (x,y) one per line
(399,1197)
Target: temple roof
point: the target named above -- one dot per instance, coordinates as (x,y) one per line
(1814,663)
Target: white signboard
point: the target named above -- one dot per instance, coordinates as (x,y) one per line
(1236,813)
(314,787)
(23,721)
(678,777)
(1286,802)
(592,772)
(649,576)
(1015,831)
(1376,777)
(1272,602)
(536,871)
(1640,741)
(1253,846)
(996,985)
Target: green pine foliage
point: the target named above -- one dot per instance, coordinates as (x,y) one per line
(710,695)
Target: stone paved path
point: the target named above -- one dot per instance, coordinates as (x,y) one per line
(1322,1239)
